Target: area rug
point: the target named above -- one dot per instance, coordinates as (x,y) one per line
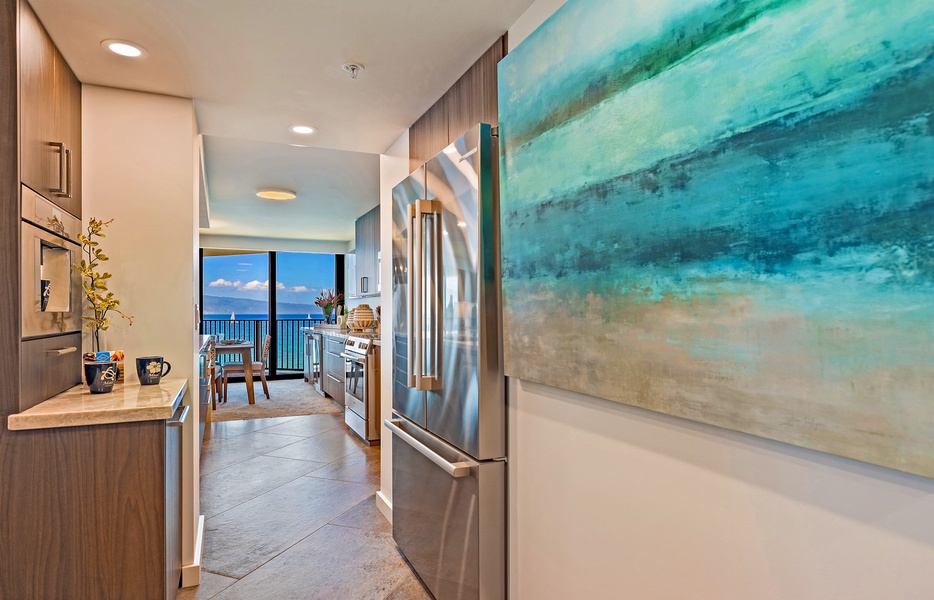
(288,398)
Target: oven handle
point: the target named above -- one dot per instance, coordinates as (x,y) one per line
(359,359)
(456,470)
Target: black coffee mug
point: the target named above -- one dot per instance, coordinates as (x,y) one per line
(151,369)
(100,376)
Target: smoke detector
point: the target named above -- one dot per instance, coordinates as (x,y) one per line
(352,68)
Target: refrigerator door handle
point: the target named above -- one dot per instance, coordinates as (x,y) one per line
(456,470)
(427,280)
(411,277)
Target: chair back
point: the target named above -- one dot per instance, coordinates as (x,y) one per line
(212,354)
(267,342)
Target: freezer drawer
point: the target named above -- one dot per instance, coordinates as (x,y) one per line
(448,515)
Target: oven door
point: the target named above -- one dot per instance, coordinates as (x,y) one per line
(355,384)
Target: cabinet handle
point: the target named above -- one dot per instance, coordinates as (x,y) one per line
(68,173)
(62,351)
(363,285)
(61,168)
(173,422)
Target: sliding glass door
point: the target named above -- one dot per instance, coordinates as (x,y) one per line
(247,295)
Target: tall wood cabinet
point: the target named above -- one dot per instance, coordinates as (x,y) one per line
(50,117)
(367,253)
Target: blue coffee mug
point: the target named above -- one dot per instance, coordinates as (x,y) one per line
(100,376)
(151,369)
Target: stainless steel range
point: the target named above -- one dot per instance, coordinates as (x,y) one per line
(361,387)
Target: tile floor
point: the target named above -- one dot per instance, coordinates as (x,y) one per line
(290,512)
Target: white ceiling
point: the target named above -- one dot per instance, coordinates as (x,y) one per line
(255,67)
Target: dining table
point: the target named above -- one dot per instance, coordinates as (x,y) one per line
(245,350)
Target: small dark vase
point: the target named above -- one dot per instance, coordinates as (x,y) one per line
(100,376)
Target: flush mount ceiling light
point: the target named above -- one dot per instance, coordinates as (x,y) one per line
(352,68)
(275,194)
(302,129)
(125,48)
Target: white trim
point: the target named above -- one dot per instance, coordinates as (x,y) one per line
(191,574)
(384,505)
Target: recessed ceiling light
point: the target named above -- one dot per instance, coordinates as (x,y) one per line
(275,194)
(302,129)
(124,48)
(461,224)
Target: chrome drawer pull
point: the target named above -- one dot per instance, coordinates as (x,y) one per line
(181,418)
(456,470)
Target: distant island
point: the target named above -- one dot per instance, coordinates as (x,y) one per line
(225,305)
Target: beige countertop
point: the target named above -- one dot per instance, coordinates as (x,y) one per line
(126,403)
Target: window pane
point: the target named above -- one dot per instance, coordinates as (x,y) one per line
(301,277)
(236,286)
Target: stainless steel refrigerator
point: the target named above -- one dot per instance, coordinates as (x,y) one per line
(448,395)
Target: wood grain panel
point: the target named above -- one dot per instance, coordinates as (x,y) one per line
(68,105)
(46,374)
(471,100)
(428,132)
(9,214)
(39,164)
(83,512)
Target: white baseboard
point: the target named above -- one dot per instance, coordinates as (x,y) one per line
(191,574)
(384,505)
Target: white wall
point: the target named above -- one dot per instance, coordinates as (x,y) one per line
(140,169)
(609,501)
(393,168)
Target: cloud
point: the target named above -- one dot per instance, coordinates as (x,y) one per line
(224,283)
(280,285)
(255,285)
(299,288)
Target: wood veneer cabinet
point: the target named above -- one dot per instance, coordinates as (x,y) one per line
(50,116)
(367,253)
(91,512)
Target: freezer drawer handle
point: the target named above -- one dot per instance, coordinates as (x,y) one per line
(456,470)
(181,418)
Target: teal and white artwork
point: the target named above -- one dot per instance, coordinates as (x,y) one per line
(724,211)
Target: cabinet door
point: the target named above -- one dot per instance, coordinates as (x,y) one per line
(68,130)
(50,117)
(39,163)
(367,242)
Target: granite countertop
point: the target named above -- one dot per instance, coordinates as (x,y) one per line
(126,403)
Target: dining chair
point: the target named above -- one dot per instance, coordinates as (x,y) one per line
(213,373)
(259,368)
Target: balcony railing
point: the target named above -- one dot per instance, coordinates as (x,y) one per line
(289,351)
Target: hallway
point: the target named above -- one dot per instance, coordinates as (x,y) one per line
(290,513)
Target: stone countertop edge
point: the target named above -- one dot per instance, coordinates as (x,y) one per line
(127,403)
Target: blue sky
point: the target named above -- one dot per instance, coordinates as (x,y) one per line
(300,276)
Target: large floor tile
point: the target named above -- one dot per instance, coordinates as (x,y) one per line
(223,452)
(323,447)
(212,584)
(241,539)
(410,589)
(228,487)
(364,516)
(229,429)
(335,563)
(308,426)
(357,467)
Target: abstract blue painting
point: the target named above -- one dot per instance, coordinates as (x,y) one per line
(724,210)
